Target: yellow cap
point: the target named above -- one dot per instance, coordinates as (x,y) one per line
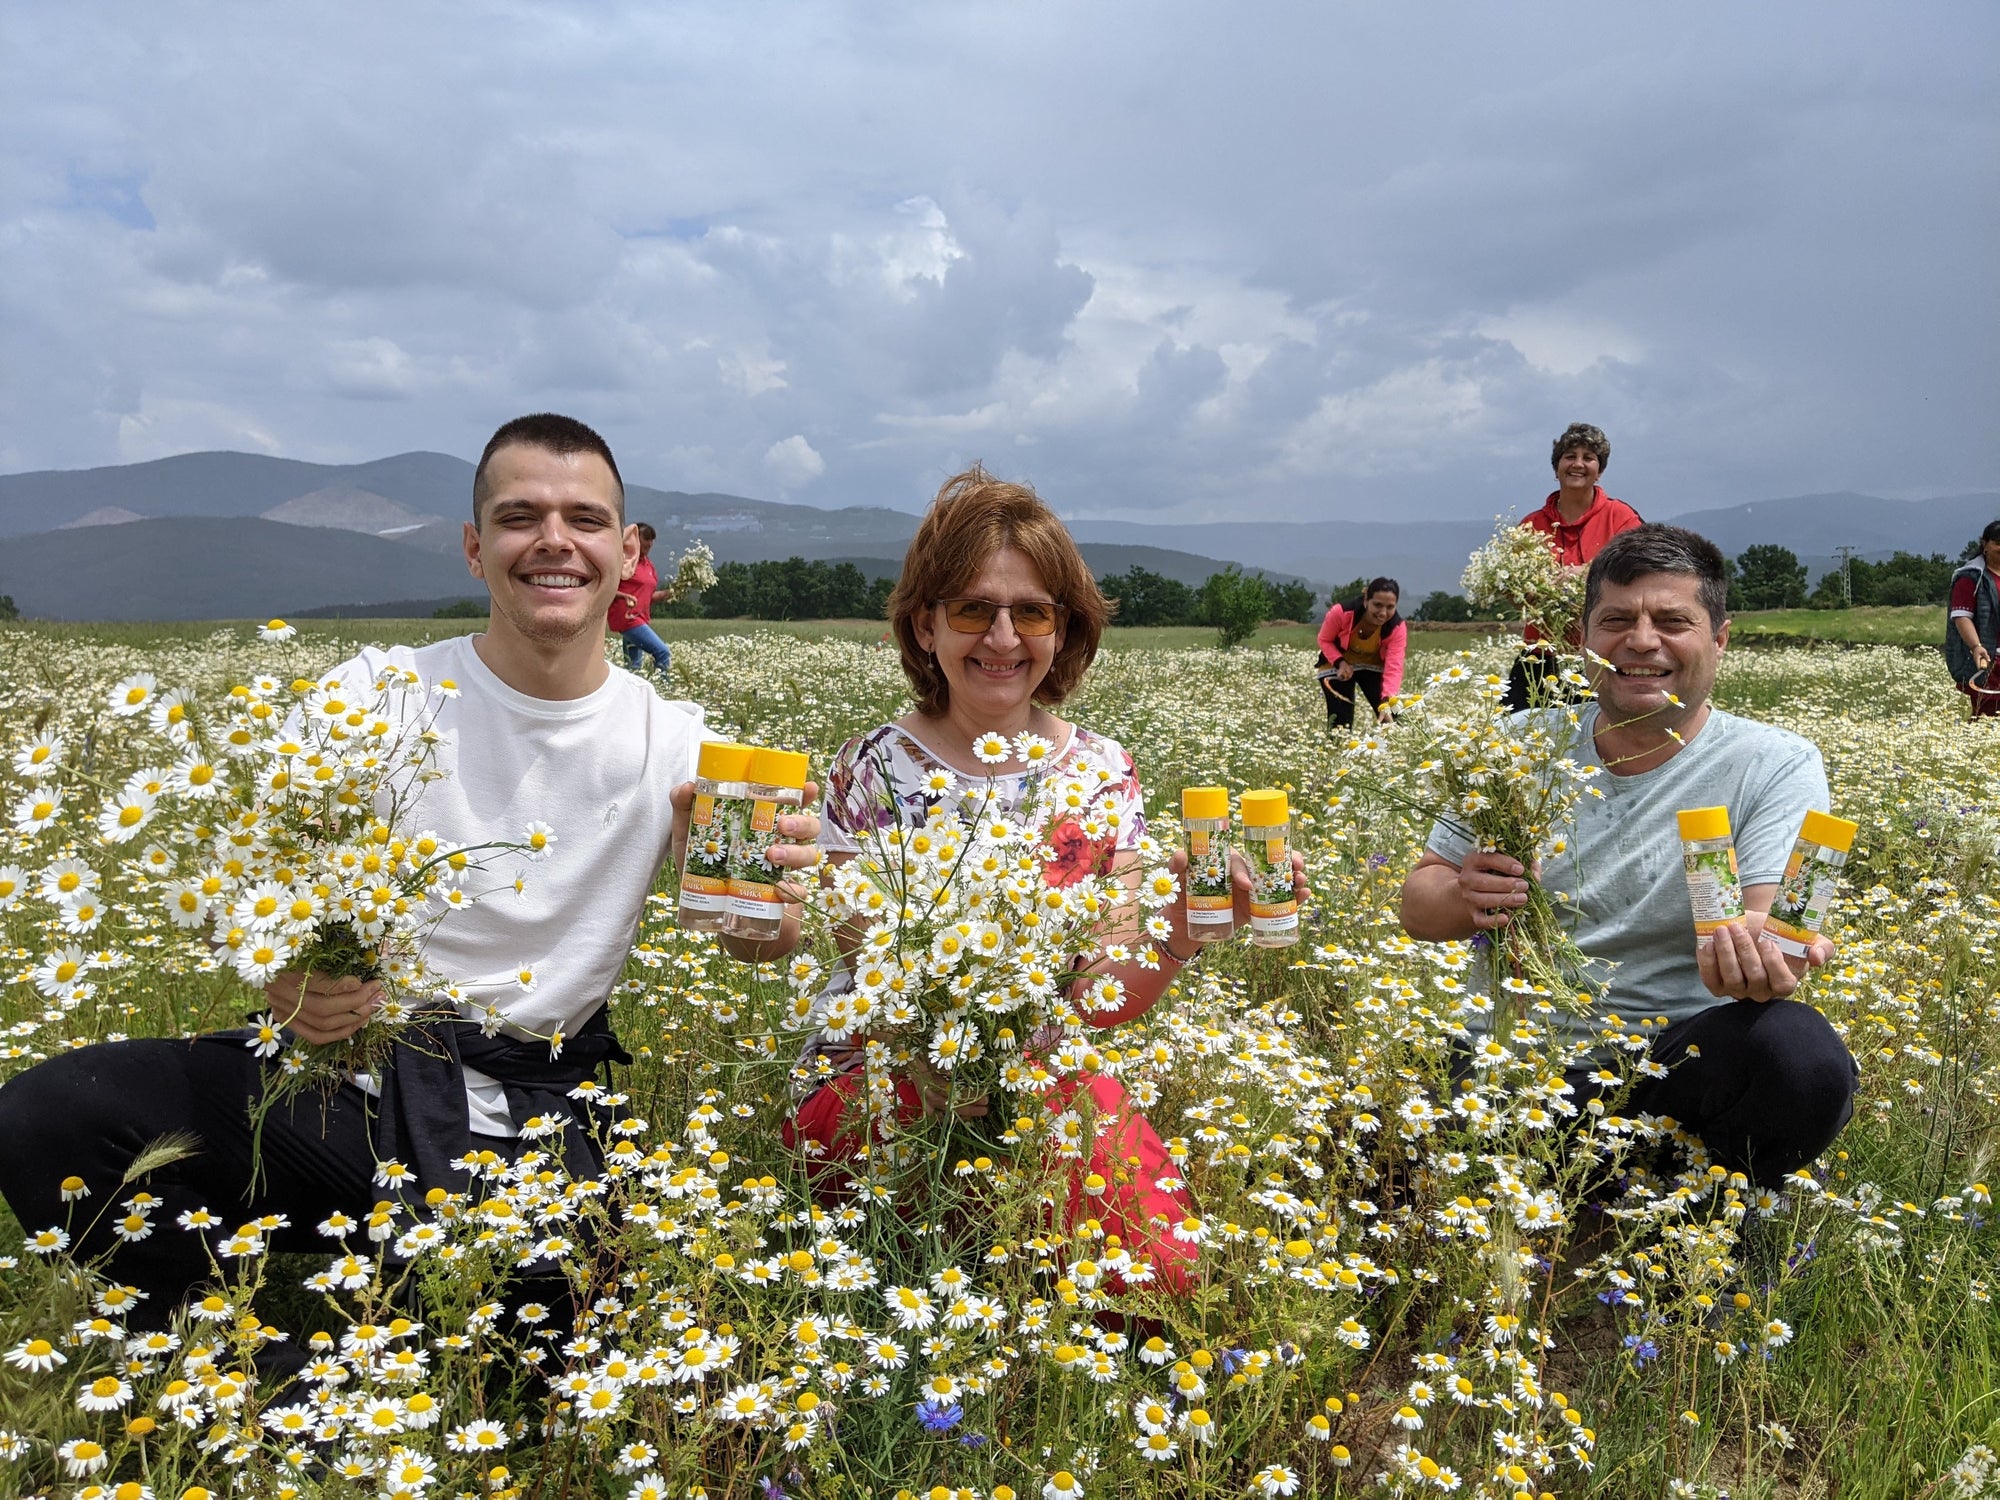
(1826,829)
(778,767)
(1204,801)
(1265,809)
(720,760)
(1704,823)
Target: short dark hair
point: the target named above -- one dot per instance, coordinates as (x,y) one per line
(1582,435)
(552,434)
(1659,548)
(972,518)
(1991,533)
(647,534)
(1382,586)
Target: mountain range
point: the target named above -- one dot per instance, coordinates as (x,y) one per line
(239,535)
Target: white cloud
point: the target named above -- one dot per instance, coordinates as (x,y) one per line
(1163,259)
(793,462)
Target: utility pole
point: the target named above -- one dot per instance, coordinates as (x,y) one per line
(1846,576)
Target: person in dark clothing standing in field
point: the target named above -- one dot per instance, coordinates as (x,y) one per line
(1578,519)
(1361,652)
(1972,633)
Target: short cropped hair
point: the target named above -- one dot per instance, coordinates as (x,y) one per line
(647,534)
(1991,533)
(551,433)
(1659,548)
(1582,435)
(973,517)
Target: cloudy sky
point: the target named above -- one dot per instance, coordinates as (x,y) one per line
(1168,261)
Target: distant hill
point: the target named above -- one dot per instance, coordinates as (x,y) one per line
(1426,555)
(96,543)
(203,568)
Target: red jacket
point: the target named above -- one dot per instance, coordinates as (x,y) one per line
(1338,629)
(1577,543)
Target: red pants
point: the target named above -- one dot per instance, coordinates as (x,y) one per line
(1127,1154)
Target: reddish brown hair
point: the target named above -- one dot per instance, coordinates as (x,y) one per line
(974,517)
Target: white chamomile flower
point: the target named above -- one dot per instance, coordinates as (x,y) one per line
(133,694)
(274,631)
(992,749)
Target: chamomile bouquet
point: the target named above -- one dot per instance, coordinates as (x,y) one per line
(965,932)
(265,829)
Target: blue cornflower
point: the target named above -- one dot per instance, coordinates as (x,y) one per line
(938,1417)
(972,1440)
(1232,1360)
(1644,1350)
(770,1489)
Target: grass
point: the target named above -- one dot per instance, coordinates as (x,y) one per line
(1884,625)
(1875,625)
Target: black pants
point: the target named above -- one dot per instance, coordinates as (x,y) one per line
(1531,683)
(1366,682)
(88,1113)
(1772,1086)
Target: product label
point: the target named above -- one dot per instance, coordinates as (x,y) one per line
(705,876)
(753,879)
(1713,890)
(1210,902)
(1273,911)
(1804,900)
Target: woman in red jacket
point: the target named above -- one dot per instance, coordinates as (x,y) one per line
(1361,651)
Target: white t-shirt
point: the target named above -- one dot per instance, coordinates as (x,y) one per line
(598,770)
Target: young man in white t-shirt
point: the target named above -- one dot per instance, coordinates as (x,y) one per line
(541,730)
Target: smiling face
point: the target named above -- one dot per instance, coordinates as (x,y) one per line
(549,544)
(992,677)
(1659,641)
(1578,469)
(1380,606)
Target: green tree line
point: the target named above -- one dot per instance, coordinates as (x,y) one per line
(1769,576)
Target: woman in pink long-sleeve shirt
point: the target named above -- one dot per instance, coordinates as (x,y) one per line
(1361,651)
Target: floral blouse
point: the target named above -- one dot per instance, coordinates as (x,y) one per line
(879,778)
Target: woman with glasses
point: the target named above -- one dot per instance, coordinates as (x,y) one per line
(998,617)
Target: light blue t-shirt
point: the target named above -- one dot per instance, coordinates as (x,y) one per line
(1623,871)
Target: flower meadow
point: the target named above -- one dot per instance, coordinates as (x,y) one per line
(1402,1285)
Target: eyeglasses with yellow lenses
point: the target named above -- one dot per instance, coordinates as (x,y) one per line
(1030,616)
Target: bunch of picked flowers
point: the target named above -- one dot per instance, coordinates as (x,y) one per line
(265,830)
(1504,781)
(693,574)
(1518,571)
(966,934)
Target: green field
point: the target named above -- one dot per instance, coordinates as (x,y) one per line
(1383,1284)
(1913,625)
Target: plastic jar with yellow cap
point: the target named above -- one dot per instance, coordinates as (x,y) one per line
(756,910)
(1805,896)
(722,773)
(1211,898)
(1708,855)
(1267,848)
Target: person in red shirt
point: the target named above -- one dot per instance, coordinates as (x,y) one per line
(1974,628)
(632,609)
(1578,519)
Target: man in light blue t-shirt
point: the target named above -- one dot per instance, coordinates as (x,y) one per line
(1764,1081)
